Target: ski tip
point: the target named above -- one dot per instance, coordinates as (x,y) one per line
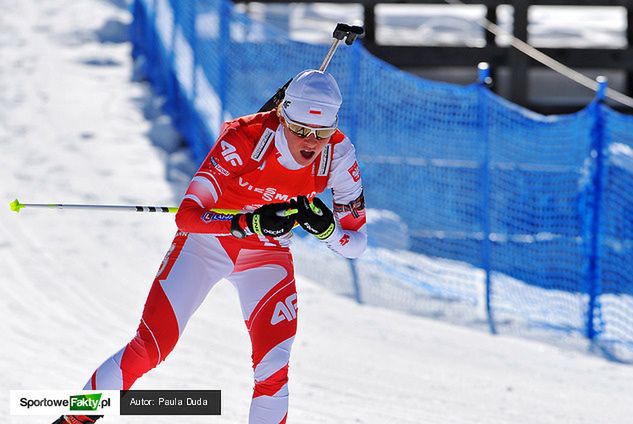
(16,206)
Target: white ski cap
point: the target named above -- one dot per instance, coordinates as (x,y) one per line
(313,97)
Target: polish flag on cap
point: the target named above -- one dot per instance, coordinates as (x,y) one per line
(313,97)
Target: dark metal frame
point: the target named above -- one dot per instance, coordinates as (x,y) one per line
(498,56)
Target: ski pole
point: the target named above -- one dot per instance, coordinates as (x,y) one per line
(349,33)
(16,206)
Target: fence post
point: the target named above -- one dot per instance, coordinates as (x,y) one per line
(353,91)
(594,284)
(484,81)
(353,126)
(517,61)
(355,280)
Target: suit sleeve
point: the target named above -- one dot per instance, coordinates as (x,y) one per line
(349,239)
(223,164)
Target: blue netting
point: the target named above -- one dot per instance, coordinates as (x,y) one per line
(481,211)
(537,180)
(614,319)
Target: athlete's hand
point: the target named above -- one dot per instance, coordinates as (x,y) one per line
(315,218)
(273,220)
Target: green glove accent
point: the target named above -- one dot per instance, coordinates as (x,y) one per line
(273,220)
(327,233)
(315,217)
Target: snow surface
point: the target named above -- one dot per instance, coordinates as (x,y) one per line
(75,128)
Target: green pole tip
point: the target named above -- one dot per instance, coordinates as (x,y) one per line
(16,206)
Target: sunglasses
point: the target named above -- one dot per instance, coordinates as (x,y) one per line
(304,131)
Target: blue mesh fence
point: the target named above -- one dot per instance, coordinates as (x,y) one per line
(481,212)
(613,319)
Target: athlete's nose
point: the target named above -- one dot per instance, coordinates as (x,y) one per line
(311,140)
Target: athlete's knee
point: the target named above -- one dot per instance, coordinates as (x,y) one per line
(271,373)
(149,347)
(275,384)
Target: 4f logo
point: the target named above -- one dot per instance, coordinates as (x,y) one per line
(230,154)
(285,310)
(344,240)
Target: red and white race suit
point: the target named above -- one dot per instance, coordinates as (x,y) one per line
(249,166)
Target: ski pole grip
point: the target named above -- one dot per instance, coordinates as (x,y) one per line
(341,31)
(349,33)
(353,33)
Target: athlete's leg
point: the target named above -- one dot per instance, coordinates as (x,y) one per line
(192,266)
(265,283)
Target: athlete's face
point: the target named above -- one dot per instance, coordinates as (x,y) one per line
(304,150)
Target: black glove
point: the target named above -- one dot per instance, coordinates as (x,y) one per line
(315,218)
(268,220)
